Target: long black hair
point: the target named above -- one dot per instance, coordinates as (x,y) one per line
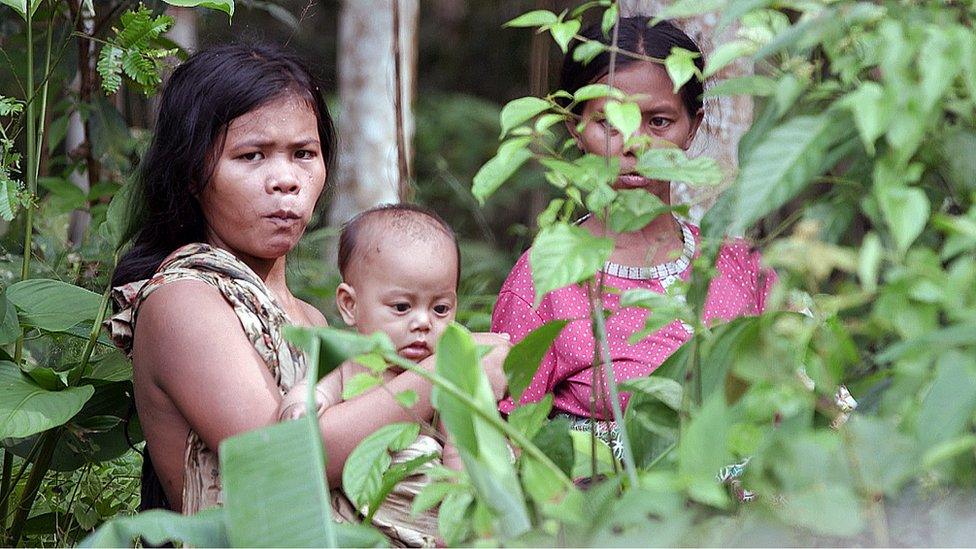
(203,95)
(637,35)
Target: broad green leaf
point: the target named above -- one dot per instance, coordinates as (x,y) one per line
(226,6)
(950,402)
(872,110)
(563,32)
(452,517)
(536,18)
(688,8)
(554,441)
(9,325)
(586,51)
(20,6)
(939,61)
(274,487)
(680,65)
(831,509)
(529,418)
(362,476)
(671,164)
(884,457)
(564,254)
(633,209)
(948,450)
(117,227)
(869,261)
(359,384)
(157,527)
(583,447)
(661,389)
(726,54)
(52,305)
(511,155)
(593,91)
(337,346)
(483,449)
(760,86)
(782,165)
(645,514)
(524,358)
(518,111)
(625,117)
(702,450)
(906,211)
(26,408)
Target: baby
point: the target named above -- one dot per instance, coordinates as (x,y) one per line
(400,267)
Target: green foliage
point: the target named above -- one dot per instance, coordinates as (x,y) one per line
(26,408)
(131,51)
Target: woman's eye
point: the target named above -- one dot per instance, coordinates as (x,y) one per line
(442,309)
(305,154)
(401,307)
(249,156)
(659,122)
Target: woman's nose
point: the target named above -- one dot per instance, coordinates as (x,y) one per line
(283,178)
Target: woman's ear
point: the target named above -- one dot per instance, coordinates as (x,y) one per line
(346,302)
(572,127)
(695,124)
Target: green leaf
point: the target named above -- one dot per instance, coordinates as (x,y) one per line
(610,17)
(9,325)
(554,441)
(26,408)
(52,305)
(662,389)
(950,402)
(586,51)
(671,164)
(521,110)
(20,6)
(563,32)
(869,261)
(511,155)
(9,204)
(939,61)
(726,54)
(536,18)
(759,86)
(529,418)
(633,209)
(782,165)
(109,67)
(832,510)
(117,227)
(362,476)
(564,254)
(626,117)
(872,110)
(452,520)
(359,384)
(269,470)
(226,6)
(583,446)
(525,356)
(430,495)
(593,91)
(906,211)
(337,346)
(884,457)
(702,450)
(157,527)
(680,65)
(688,8)
(407,399)
(483,450)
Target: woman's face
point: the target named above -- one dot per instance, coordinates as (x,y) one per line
(267,179)
(663,118)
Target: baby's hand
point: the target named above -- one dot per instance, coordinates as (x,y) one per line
(494,360)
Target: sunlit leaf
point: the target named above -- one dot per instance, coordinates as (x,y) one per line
(672,164)
(563,32)
(726,54)
(521,110)
(226,6)
(157,527)
(564,254)
(511,155)
(26,408)
(362,476)
(52,305)
(906,211)
(680,65)
(535,18)
(626,117)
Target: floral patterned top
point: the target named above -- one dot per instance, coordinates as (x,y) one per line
(260,316)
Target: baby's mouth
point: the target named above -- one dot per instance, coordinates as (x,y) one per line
(418,350)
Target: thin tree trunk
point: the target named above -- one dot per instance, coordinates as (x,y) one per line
(367,172)
(726,119)
(77,141)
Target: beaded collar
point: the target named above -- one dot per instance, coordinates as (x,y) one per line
(661,271)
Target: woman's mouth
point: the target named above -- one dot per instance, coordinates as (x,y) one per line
(283,218)
(632,181)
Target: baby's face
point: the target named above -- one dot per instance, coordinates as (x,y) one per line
(407,289)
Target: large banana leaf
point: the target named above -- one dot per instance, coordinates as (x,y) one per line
(52,305)
(26,408)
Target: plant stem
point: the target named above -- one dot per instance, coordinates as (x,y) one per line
(5,488)
(49,443)
(524,443)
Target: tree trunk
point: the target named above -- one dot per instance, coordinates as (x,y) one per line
(77,138)
(367,171)
(726,118)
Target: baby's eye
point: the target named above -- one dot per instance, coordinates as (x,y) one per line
(253,155)
(442,309)
(401,307)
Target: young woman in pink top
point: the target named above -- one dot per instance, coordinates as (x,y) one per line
(654,257)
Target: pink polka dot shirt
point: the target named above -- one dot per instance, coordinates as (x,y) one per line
(739,289)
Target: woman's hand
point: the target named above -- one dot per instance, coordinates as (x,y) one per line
(493,362)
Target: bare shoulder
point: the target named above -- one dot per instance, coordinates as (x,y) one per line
(315,316)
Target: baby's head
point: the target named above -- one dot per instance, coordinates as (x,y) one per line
(400,267)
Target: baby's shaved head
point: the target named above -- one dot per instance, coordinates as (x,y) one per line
(405,222)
